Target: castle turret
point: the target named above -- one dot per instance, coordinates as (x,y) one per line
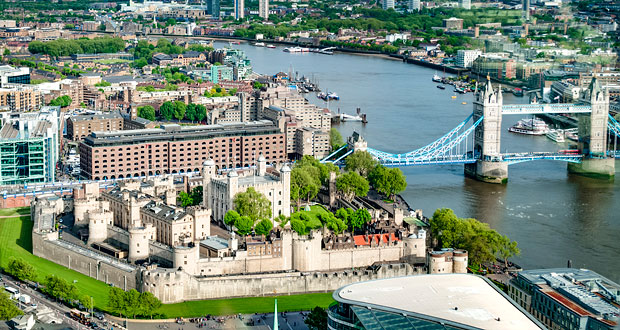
(139,238)
(285,176)
(261,166)
(208,171)
(186,258)
(98,222)
(459,261)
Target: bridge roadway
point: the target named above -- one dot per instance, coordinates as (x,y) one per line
(537,108)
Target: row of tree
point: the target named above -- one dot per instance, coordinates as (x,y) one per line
(180,110)
(251,211)
(193,198)
(64,47)
(343,219)
(482,243)
(132,303)
(388,181)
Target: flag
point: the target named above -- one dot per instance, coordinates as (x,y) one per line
(275,316)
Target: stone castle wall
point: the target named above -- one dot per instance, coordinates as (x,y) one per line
(175,286)
(90,263)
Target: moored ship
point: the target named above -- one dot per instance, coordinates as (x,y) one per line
(531,126)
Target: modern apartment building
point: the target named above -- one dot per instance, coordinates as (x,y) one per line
(29,144)
(78,127)
(495,66)
(239,9)
(387,4)
(179,149)
(22,98)
(11,75)
(263,9)
(465,57)
(568,298)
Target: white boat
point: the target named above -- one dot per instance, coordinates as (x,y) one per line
(345,117)
(296,50)
(556,135)
(259,44)
(571,134)
(530,127)
(436,78)
(271,46)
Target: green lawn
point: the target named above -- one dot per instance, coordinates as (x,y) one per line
(16,240)
(314,212)
(15,211)
(246,305)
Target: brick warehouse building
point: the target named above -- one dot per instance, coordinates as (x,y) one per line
(175,149)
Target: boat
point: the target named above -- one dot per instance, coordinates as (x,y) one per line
(296,50)
(271,46)
(345,117)
(328,96)
(459,90)
(530,127)
(517,91)
(259,44)
(436,78)
(464,103)
(453,96)
(556,135)
(571,134)
(441,86)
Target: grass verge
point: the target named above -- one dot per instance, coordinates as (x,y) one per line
(252,305)
(15,211)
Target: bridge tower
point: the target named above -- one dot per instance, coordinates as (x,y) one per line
(593,135)
(487,137)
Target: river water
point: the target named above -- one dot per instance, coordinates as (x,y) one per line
(553,216)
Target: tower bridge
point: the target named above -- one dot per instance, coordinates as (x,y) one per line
(476,142)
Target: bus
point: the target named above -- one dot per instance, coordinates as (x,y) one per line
(11,290)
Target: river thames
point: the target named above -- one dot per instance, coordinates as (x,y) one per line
(552,215)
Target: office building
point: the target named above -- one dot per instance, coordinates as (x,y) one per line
(78,127)
(213,7)
(11,75)
(442,301)
(387,4)
(465,4)
(413,5)
(263,9)
(29,144)
(174,149)
(465,57)
(526,9)
(239,9)
(453,23)
(568,298)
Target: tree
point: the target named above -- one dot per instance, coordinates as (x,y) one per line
(146,112)
(352,184)
(361,162)
(196,195)
(304,183)
(244,225)
(179,110)
(132,302)
(201,112)
(6,52)
(167,110)
(101,27)
(8,308)
(185,199)
(148,304)
(298,226)
(263,227)
(482,243)
(59,288)
(388,181)
(20,269)
(190,114)
(116,301)
(317,319)
(252,204)
(231,217)
(140,63)
(87,301)
(360,218)
(335,139)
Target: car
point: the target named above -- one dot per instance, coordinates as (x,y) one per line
(99,315)
(60,220)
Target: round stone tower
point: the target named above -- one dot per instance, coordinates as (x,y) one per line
(459,260)
(139,242)
(98,222)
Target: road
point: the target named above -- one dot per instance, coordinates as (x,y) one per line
(38,298)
